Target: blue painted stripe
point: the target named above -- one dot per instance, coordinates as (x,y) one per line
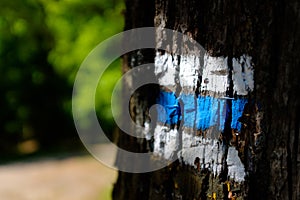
(210,112)
(237,111)
(202,112)
(189,109)
(171,105)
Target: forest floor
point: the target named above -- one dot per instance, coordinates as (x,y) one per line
(76,177)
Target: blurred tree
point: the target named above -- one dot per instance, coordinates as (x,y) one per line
(42,44)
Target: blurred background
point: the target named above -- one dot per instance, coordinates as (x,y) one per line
(42,44)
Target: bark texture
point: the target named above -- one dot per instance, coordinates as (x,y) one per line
(269,32)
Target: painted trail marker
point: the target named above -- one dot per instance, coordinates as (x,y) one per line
(203,100)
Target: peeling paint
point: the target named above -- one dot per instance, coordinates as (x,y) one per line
(215,74)
(147,131)
(189,110)
(200,113)
(236,169)
(210,153)
(237,111)
(242,75)
(204,113)
(171,105)
(166,142)
(165,69)
(189,70)
(208,150)
(211,112)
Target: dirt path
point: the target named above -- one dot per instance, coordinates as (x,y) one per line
(72,178)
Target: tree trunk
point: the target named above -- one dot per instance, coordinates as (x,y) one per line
(258,145)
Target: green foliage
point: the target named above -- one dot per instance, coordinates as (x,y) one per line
(78,26)
(42,44)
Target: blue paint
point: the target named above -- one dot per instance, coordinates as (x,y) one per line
(214,113)
(171,105)
(202,112)
(222,114)
(189,109)
(237,111)
(210,112)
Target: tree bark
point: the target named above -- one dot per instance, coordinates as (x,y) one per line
(269,138)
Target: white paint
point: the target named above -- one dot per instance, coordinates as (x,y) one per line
(236,168)
(165,142)
(242,75)
(147,132)
(215,70)
(172,141)
(210,154)
(190,154)
(159,137)
(187,140)
(189,71)
(165,68)
(206,149)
